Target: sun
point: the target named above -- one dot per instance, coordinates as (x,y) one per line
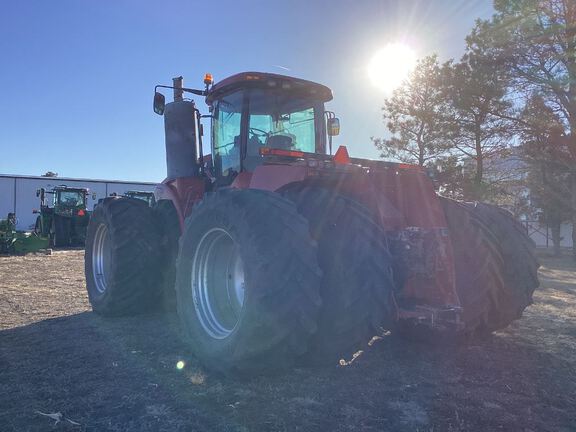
(391,65)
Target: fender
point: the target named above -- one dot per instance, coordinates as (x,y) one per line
(184,192)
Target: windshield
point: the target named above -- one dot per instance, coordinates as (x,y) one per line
(148,197)
(264,118)
(280,120)
(70,198)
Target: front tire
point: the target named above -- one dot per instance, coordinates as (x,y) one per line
(123,258)
(247,282)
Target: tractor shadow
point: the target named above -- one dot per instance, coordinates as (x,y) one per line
(123,375)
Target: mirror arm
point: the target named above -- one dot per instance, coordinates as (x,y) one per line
(184,89)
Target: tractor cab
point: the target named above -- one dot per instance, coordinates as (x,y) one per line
(255,113)
(146,196)
(66,199)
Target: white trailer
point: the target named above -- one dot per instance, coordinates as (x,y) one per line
(18,193)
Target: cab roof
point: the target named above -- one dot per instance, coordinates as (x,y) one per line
(71,189)
(271,81)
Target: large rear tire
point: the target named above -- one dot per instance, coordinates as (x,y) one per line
(169,224)
(60,232)
(247,282)
(495,263)
(123,258)
(357,285)
(78,231)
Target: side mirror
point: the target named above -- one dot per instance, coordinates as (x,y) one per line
(37,193)
(333,126)
(159,103)
(94,196)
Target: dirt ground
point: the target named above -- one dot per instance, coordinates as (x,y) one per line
(121,374)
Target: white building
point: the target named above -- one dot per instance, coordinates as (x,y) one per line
(18,193)
(542,235)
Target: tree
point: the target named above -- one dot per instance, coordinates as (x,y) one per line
(449,176)
(478,116)
(413,115)
(536,41)
(548,176)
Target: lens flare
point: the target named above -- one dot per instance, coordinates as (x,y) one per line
(390,66)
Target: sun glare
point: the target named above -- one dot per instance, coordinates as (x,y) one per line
(391,65)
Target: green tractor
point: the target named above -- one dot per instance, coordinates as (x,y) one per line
(18,242)
(64,222)
(142,195)
(147,197)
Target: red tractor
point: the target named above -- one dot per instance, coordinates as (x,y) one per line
(278,251)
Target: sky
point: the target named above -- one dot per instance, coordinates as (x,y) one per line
(78,76)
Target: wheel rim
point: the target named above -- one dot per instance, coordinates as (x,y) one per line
(218,283)
(101,258)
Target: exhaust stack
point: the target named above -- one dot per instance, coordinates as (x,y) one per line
(181,135)
(177,84)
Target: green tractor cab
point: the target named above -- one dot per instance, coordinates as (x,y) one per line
(145,196)
(18,242)
(65,219)
(142,195)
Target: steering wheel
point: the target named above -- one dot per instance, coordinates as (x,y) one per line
(259,132)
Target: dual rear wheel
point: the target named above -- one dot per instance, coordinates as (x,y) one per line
(122,260)
(495,263)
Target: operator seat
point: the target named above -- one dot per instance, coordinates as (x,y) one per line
(283,142)
(253,158)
